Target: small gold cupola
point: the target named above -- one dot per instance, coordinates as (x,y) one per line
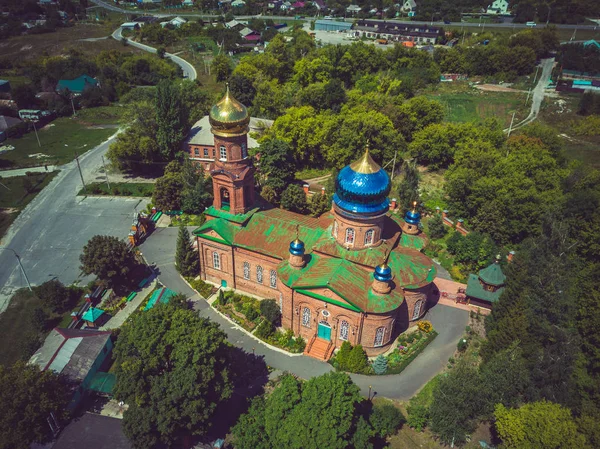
(229,117)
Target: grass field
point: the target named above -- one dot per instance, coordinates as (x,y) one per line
(467,104)
(14,196)
(142,189)
(104,115)
(59,141)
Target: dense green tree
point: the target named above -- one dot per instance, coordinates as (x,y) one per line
(308,71)
(249,432)
(293,198)
(270,310)
(418,113)
(319,204)
(182,187)
(242,88)
(418,416)
(457,403)
(167,193)
(221,67)
(277,166)
(357,361)
(107,257)
(385,419)
(171,119)
(270,195)
(380,364)
(361,439)
(437,228)
(408,190)
(538,425)
(55,295)
(186,257)
(24,96)
(28,397)
(172,370)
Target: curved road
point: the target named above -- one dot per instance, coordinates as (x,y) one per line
(159,249)
(188,69)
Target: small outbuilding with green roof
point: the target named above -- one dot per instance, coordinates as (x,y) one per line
(485,288)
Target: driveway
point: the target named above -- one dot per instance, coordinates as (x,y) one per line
(188,69)
(159,248)
(51,231)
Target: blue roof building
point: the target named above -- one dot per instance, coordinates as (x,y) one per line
(332,25)
(78,85)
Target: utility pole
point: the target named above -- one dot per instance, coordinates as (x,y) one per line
(80,174)
(36,134)
(536,72)
(528,93)
(21,266)
(511,123)
(73,106)
(106,173)
(394,165)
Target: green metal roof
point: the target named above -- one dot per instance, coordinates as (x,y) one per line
(492,275)
(476,290)
(103,382)
(92,314)
(224,228)
(236,218)
(162,296)
(78,85)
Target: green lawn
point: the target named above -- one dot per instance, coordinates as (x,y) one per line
(104,115)
(14,196)
(59,141)
(120,189)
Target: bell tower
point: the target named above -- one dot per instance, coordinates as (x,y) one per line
(233,175)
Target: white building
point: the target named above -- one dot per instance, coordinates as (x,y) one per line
(498,7)
(353,9)
(176,22)
(409,5)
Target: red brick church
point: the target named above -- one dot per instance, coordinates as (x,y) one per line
(354,274)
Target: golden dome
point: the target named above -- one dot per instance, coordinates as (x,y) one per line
(366,164)
(229,117)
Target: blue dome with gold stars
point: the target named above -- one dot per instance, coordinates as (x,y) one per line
(362,187)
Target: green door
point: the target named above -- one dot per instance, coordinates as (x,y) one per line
(324,331)
(223,283)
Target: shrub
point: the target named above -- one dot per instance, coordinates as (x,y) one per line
(270,310)
(410,337)
(221,299)
(380,365)
(418,417)
(386,419)
(250,312)
(342,356)
(357,360)
(425,326)
(462,344)
(298,345)
(264,330)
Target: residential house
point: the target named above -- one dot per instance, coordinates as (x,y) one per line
(332,25)
(78,85)
(7,122)
(175,22)
(413,34)
(77,354)
(409,6)
(353,9)
(498,7)
(238,3)
(320,5)
(298,5)
(130,26)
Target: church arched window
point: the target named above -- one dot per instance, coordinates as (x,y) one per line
(216,260)
(273,278)
(344,330)
(350,236)
(306,317)
(417,309)
(369,236)
(246,270)
(223,153)
(379,333)
(259,274)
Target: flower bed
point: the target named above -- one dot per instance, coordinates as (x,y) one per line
(409,347)
(244,310)
(203,288)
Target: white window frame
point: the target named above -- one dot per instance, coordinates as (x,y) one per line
(247,271)
(259,274)
(417,309)
(344,330)
(350,236)
(273,278)
(222,153)
(306,317)
(216,260)
(379,337)
(369,237)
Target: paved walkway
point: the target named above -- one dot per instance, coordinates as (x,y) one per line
(23,171)
(450,323)
(117,320)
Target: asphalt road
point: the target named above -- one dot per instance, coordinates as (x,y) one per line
(188,69)
(52,230)
(159,248)
(112,7)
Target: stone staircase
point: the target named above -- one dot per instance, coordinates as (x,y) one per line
(319,349)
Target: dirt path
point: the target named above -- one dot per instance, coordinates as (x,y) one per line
(496,88)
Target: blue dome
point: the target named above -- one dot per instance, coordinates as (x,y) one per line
(297,247)
(412,217)
(362,188)
(383,273)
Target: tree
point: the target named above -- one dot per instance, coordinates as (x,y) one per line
(358,361)
(161,52)
(108,258)
(28,396)
(270,310)
(24,96)
(171,119)
(418,416)
(456,405)
(221,67)
(318,413)
(277,165)
(269,194)
(362,435)
(172,370)
(437,228)
(408,190)
(342,355)
(242,89)
(293,198)
(167,193)
(319,204)
(385,419)
(55,295)
(39,319)
(186,257)
(380,364)
(538,425)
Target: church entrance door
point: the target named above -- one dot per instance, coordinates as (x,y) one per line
(324,331)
